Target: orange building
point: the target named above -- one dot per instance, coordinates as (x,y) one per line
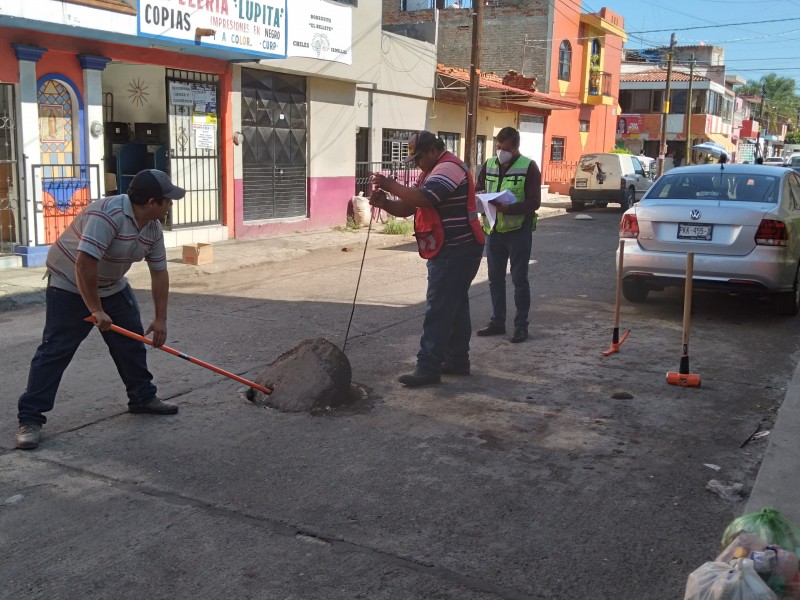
(572,58)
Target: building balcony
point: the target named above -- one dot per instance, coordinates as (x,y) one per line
(599,88)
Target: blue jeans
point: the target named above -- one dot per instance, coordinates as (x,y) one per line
(516,247)
(447,329)
(64,330)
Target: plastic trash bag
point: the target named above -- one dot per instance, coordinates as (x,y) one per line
(700,581)
(721,581)
(776,566)
(769,525)
(361,210)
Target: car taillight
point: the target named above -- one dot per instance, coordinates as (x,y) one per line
(622,183)
(629,227)
(771,233)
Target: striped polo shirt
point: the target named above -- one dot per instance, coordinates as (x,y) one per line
(106,230)
(446,188)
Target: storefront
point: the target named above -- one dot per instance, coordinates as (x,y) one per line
(86,123)
(221,96)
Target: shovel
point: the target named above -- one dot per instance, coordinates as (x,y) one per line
(205,365)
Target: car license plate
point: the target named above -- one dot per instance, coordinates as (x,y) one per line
(694,231)
(581,182)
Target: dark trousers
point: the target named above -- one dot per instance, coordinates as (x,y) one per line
(64,330)
(447,329)
(514,246)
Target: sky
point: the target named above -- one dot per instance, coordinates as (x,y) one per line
(752,49)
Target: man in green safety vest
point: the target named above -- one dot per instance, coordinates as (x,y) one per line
(510,238)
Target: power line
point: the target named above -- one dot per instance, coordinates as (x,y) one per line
(714,26)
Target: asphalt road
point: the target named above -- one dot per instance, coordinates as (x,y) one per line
(551,472)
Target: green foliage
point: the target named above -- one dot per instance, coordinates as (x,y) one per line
(620,151)
(398,227)
(792,138)
(781,103)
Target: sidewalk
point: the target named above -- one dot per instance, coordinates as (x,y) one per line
(20,287)
(776,485)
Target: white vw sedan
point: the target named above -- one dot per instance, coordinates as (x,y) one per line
(741,221)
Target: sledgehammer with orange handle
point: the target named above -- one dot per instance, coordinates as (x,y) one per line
(683,377)
(179,354)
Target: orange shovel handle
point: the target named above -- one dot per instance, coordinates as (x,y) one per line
(179,354)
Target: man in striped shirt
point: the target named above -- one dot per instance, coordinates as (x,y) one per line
(86,269)
(446,186)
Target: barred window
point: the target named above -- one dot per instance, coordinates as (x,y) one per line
(557,149)
(451,141)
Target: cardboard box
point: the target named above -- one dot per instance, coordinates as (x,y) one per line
(198,254)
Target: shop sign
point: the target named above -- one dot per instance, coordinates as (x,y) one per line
(246,26)
(316,28)
(322,30)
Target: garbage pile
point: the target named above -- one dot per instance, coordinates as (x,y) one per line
(759,561)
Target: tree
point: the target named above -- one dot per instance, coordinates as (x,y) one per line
(781,103)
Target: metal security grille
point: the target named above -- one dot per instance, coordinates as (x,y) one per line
(193,140)
(405,174)
(274,150)
(9,184)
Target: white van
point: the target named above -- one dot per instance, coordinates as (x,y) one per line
(605,178)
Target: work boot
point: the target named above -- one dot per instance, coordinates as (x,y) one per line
(156,406)
(448,369)
(492,329)
(520,335)
(418,378)
(28,436)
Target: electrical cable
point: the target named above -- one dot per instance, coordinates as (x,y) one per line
(358,283)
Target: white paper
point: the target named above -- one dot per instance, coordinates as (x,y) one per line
(487,208)
(180,93)
(504,197)
(205,136)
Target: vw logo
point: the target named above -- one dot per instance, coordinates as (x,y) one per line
(695,215)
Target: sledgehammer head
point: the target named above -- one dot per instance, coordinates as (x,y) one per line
(683,379)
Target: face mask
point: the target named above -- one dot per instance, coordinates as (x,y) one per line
(504,156)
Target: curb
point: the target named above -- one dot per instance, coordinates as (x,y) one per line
(777,484)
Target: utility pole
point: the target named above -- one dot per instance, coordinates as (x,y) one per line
(474,85)
(761,122)
(663,140)
(688,153)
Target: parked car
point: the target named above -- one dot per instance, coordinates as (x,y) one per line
(742,222)
(650,165)
(775,161)
(605,178)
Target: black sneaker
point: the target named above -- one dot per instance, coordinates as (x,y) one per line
(418,378)
(28,436)
(492,329)
(448,369)
(156,406)
(520,335)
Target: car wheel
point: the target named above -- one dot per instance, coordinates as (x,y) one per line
(629,200)
(788,303)
(601,204)
(635,290)
(578,205)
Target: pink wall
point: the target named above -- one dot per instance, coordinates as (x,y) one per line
(328,200)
